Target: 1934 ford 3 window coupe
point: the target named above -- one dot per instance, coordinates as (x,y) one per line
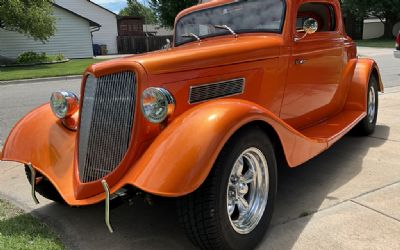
(246,87)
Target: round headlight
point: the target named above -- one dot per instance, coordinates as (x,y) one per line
(64,104)
(157,104)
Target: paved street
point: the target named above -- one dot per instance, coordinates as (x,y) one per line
(347,198)
(389,66)
(16,100)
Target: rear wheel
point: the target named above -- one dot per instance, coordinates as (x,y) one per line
(233,208)
(44,187)
(368,124)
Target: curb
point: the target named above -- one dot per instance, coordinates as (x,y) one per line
(46,79)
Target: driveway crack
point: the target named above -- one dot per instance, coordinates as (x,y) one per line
(375,210)
(383,139)
(311,213)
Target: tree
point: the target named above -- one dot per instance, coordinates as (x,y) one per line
(32,18)
(167,10)
(135,8)
(358,8)
(388,11)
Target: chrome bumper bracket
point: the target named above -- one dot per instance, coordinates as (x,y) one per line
(33,183)
(107,207)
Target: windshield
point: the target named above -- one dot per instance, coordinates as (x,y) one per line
(242,16)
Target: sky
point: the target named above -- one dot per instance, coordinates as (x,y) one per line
(113,5)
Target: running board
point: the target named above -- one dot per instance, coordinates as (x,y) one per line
(334,128)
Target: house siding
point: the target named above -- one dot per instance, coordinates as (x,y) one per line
(374,28)
(72,38)
(108,32)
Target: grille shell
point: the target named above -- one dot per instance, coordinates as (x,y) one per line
(211,91)
(107,118)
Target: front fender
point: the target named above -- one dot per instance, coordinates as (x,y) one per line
(181,157)
(39,138)
(176,163)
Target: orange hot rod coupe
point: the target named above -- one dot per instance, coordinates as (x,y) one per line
(245,88)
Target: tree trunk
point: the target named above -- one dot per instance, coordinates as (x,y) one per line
(389,25)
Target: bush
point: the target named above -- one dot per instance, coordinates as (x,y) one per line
(31,57)
(60,57)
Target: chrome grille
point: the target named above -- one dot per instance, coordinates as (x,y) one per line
(216,90)
(107,117)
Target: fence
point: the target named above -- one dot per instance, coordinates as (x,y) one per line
(140,44)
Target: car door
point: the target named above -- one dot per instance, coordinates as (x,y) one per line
(315,68)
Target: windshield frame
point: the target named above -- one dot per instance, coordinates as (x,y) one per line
(278,31)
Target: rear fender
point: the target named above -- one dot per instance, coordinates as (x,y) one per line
(181,157)
(357,96)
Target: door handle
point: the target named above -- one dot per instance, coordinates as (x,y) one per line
(300,61)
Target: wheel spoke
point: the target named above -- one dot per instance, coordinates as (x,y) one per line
(243,205)
(372,96)
(231,208)
(239,167)
(248,177)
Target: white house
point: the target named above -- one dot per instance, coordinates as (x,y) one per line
(374,28)
(72,37)
(107,19)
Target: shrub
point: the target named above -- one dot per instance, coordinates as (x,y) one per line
(31,57)
(60,57)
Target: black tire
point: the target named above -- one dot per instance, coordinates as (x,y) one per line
(204,214)
(367,125)
(45,188)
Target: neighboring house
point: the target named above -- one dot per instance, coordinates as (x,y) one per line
(72,37)
(157,30)
(130,26)
(374,28)
(107,19)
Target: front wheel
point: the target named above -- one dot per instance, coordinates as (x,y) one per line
(233,208)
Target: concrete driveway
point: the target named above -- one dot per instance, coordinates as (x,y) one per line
(347,198)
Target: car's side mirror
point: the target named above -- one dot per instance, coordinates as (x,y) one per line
(310,26)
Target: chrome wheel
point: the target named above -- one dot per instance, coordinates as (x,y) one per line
(371,104)
(247,191)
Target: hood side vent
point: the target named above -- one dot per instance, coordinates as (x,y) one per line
(211,91)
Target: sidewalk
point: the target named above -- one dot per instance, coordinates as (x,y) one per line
(372,52)
(347,198)
(41,80)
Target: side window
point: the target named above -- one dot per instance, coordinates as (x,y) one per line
(323,13)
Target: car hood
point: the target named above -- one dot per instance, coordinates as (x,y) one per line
(209,53)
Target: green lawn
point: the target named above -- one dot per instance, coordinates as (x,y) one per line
(73,67)
(21,231)
(377,43)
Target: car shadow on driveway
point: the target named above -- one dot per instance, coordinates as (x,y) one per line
(302,192)
(325,181)
(140,226)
